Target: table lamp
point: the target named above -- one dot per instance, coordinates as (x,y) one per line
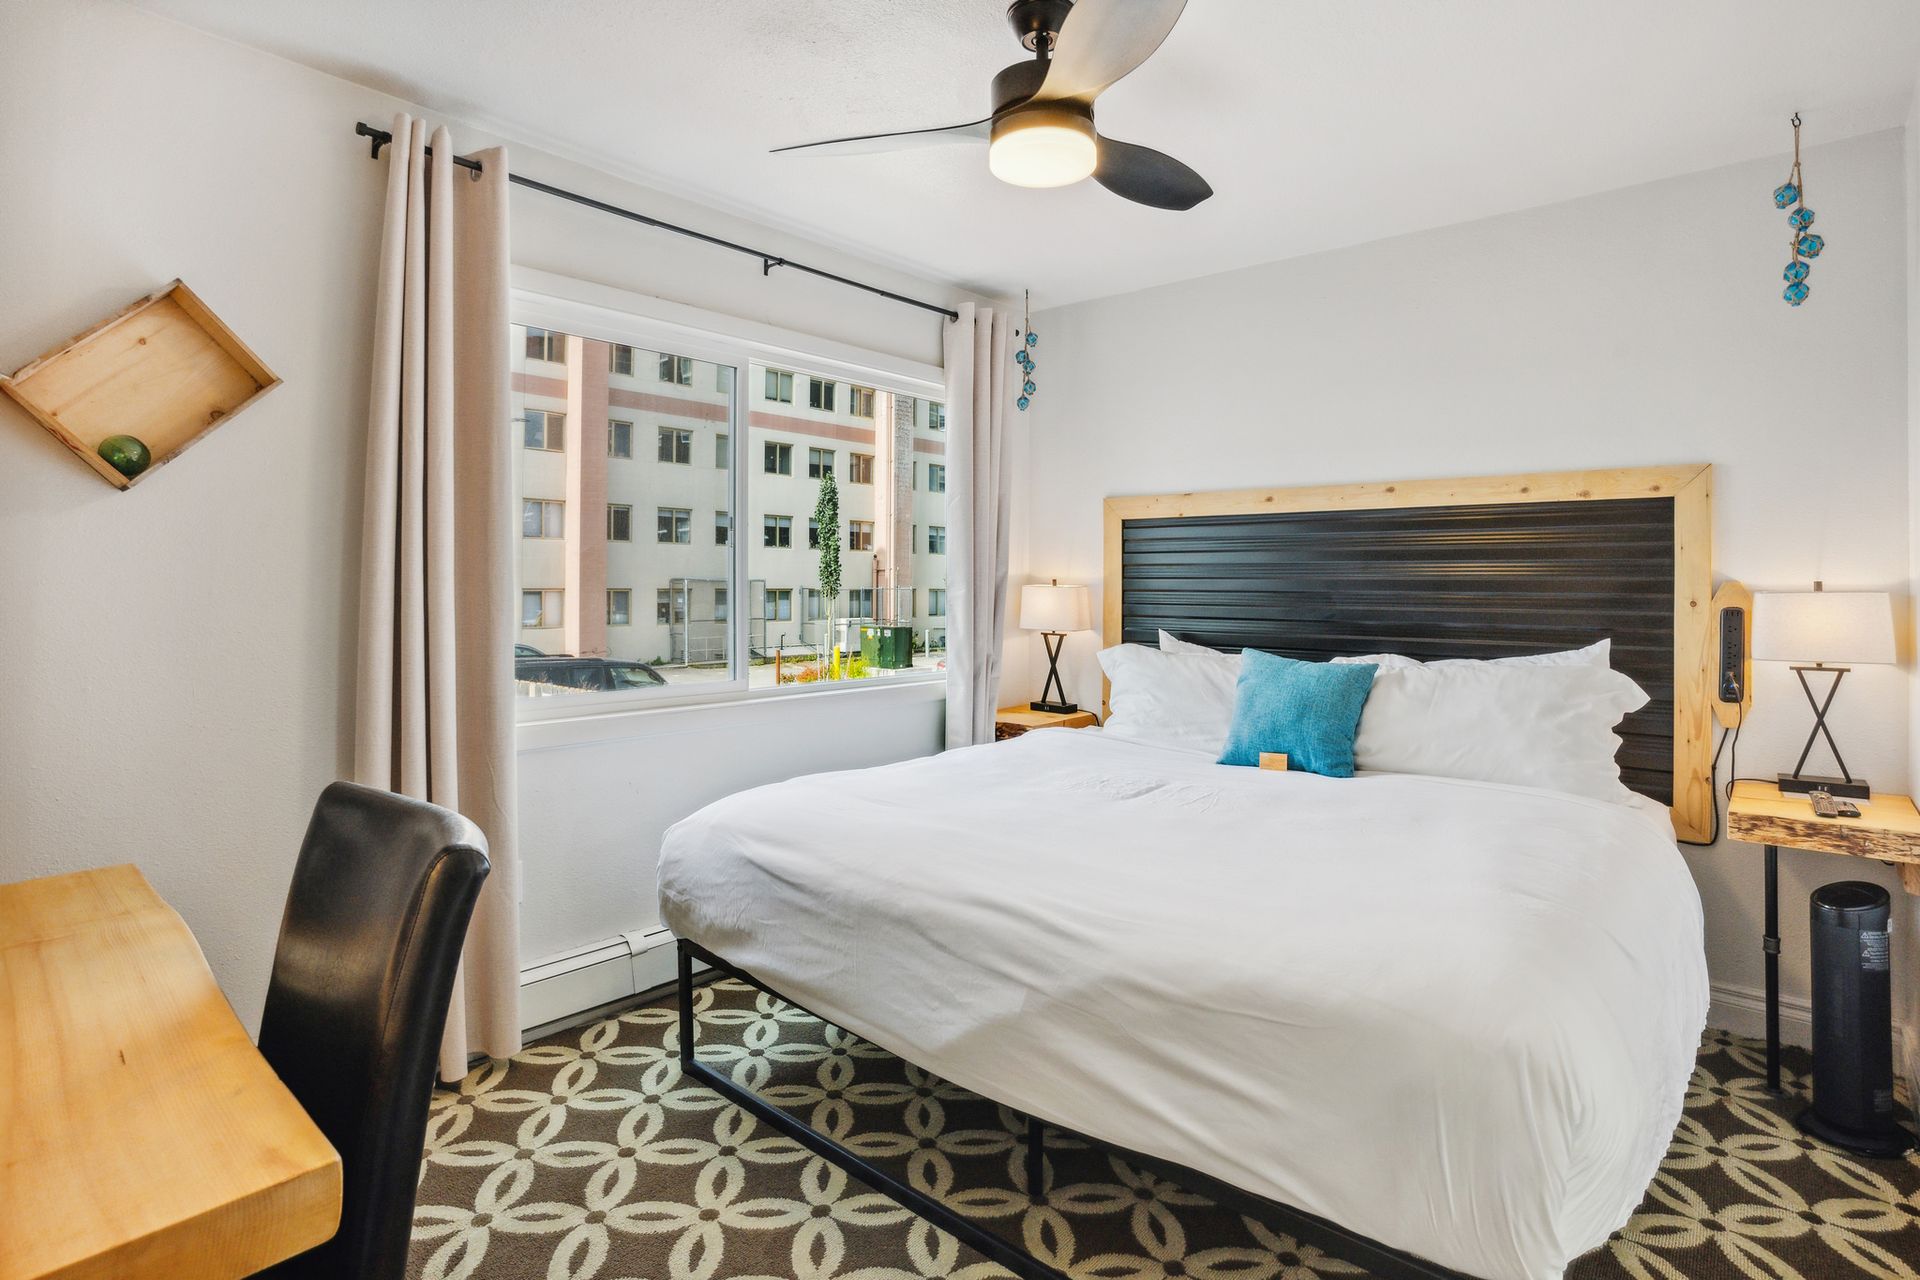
(1823,632)
(1053,610)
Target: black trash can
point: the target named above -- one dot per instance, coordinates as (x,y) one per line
(1853,1022)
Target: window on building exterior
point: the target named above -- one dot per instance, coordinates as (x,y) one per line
(722,526)
(541,607)
(936,602)
(669,607)
(936,478)
(546,430)
(619,522)
(542,518)
(813,534)
(675,524)
(936,417)
(619,607)
(619,439)
(936,539)
(545,344)
(677,370)
(719,604)
(860,602)
(820,394)
(779,386)
(815,601)
(722,457)
(676,445)
(819,463)
(860,535)
(619,359)
(780,604)
(860,401)
(776,531)
(859,468)
(779,459)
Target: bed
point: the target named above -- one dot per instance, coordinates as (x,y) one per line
(1445,1026)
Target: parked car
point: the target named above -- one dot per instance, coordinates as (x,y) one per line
(598,675)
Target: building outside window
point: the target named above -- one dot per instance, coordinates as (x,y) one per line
(669,607)
(777,531)
(619,522)
(859,535)
(936,539)
(813,534)
(820,394)
(543,519)
(779,459)
(819,463)
(619,606)
(545,344)
(619,359)
(936,477)
(677,370)
(719,604)
(860,602)
(546,430)
(722,526)
(779,386)
(541,607)
(936,417)
(722,457)
(860,468)
(619,439)
(675,524)
(860,401)
(815,601)
(936,602)
(780,604)
(676,445)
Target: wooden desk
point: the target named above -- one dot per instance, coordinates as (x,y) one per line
(141,1133)
(1887,830)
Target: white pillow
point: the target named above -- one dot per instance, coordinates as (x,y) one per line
(1181,700)
(1384,661)
(1529,724)
(1597,654)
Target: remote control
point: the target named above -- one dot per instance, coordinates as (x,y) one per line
(1823,805)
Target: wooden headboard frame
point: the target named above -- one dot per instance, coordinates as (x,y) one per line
(1690,487)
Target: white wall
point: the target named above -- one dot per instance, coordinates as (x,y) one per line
(180,655)
(1637,327)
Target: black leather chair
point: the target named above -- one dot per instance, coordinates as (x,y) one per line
(369,946)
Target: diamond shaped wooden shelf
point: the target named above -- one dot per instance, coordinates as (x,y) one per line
(165,370)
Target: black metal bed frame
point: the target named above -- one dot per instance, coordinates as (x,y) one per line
(1380,1260)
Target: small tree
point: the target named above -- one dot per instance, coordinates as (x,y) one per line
(826,514)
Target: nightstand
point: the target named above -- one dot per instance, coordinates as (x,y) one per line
(1011,722)
(1887,830)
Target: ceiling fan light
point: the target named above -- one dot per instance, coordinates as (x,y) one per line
(1043,147)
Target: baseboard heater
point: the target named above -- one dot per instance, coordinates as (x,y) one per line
(558,990)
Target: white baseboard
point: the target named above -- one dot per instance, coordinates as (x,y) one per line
(1743,1011)
(557,991)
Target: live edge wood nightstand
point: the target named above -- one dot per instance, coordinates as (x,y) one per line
(1887,830)
(1011,722)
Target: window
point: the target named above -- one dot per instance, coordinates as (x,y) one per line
(619,607)
(779,386)
(936,477)
(669,607)
(936,417)
(544,344)
(722,526)
(721,457)
(860,535)
(815,601)
(819,463)
(675,525)
(540,607)
(619,439)
(676,445)
(779,459)
(813,534)
(619,359)
(860,468)
(677,370)
(719,604)
(619,522)
(860,401)
(777,531)
(820,394)
(546,429)
(780,605)
(860,602)
(540,518)
(936,539)
(936,602)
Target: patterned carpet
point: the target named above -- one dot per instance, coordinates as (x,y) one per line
(587,1158)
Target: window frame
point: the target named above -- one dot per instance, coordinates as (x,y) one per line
(589,309)
(620,591)
(680,436)
(613,436)
(612,508)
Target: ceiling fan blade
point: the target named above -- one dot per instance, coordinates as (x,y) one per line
(905,139)
(1102,40)
(1148,177)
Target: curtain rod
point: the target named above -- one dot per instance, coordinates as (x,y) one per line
(768,261)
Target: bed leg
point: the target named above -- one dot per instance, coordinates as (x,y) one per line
(1036,1160)
(686,1003)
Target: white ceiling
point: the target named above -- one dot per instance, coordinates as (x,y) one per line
(1319,123)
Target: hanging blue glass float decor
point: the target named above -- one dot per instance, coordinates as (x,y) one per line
(1803,244)
(1023,356)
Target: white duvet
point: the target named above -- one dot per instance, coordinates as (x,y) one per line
(1456,1017)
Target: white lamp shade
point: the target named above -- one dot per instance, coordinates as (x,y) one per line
(1051,607)
(1839,628)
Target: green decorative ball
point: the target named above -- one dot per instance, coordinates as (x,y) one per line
(128,455)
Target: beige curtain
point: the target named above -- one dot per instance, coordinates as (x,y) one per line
(979,467)
(435,705)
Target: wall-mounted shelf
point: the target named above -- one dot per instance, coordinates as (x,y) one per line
(164,369)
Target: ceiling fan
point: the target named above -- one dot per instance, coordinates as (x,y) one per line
(1040,133)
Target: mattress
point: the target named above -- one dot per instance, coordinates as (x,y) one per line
(1456,1017)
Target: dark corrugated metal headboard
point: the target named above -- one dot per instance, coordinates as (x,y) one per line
(1414,569)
